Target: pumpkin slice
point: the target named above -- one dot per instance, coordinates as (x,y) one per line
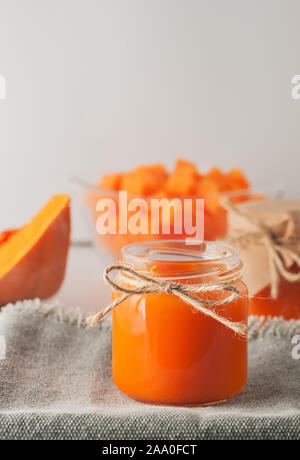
(33,258)
(4,236)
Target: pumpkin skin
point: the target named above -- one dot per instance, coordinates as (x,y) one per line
(33,259)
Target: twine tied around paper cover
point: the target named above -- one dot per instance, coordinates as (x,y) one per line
(143,284)
(275,247)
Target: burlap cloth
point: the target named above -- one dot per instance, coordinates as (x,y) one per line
(55,383)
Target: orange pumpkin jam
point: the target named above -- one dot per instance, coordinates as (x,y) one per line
(164,351)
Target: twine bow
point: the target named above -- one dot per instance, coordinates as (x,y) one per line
(144,284)
(275,246)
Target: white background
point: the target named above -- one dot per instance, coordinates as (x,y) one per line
(103,85)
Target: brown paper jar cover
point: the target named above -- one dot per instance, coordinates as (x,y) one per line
(279,216)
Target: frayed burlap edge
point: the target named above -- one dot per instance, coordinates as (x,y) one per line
(259,327)
(55,311)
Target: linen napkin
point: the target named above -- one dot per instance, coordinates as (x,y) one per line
(56,383)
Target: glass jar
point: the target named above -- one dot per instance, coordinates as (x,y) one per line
(166,352)
(285,304)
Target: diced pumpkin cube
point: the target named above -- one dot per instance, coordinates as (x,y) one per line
(145,180)
(110,181)
(209,190)
(236,180)
(216,175)
(185,168)
(207,187)
(160,194)
(134,184)
(157,169)
(178,185)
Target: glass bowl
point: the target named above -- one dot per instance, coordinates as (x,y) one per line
(215,216)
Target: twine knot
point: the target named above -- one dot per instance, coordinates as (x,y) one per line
(169,288)
(137,284)
(275,247)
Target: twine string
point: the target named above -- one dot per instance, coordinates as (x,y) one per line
(274,245)
(144,284)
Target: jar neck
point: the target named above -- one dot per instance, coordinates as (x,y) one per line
(175,260)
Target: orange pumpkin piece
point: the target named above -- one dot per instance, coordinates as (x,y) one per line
(156,169)
(160,194)
(33,259)
(4,236)
(209,190)
(180,185)
(186,168)
(236,180)
(133,184)
(111,181)
(217,176)
(207,187)
(144,181)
